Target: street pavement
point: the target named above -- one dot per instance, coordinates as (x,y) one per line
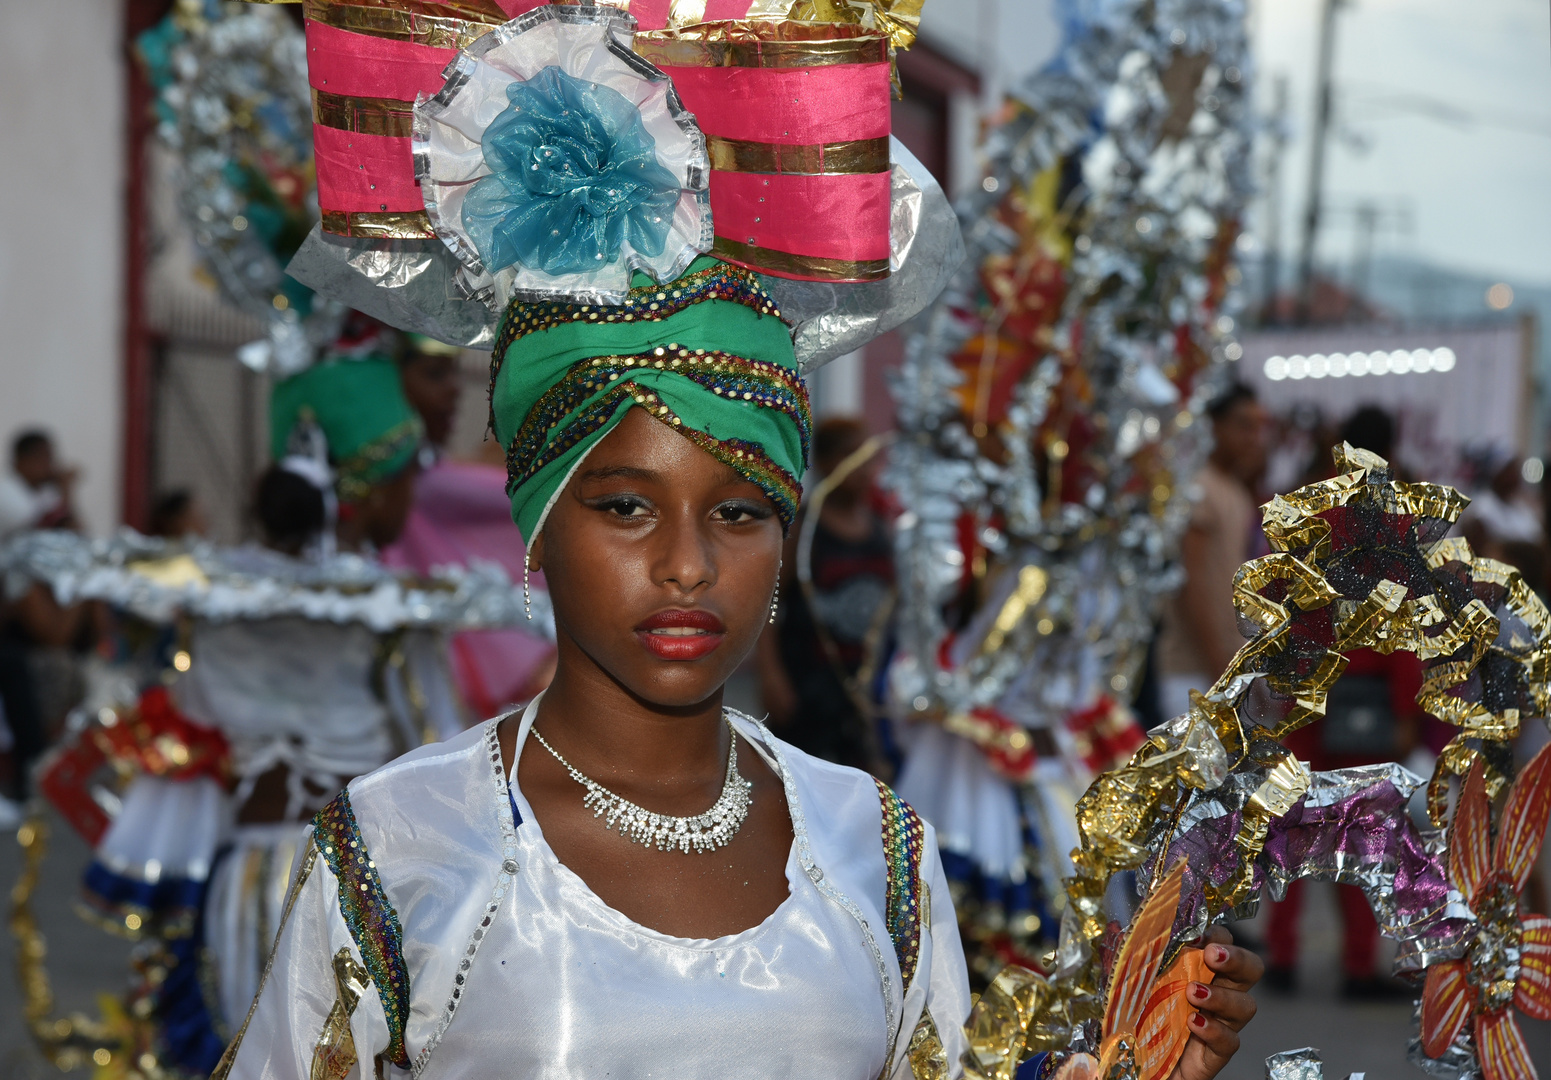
(84,962)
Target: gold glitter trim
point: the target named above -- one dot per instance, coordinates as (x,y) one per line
(927,1056)
(334,1055)
(413,225)
(758,43)
(451,24)
(899,20)
(364,115)
(819,159)
(802,266)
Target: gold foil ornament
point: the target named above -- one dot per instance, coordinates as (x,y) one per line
(1360,563)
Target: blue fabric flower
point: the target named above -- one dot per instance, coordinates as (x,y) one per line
(575,175)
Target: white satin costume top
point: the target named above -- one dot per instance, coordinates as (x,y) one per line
(515,968)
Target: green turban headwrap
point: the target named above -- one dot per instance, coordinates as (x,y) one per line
(360,407)
(707,354)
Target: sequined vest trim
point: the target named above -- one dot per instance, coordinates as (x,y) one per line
(904,841)
(372,921)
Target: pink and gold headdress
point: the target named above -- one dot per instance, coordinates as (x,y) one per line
(802,181)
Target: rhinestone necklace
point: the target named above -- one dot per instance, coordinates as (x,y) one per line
(703,832)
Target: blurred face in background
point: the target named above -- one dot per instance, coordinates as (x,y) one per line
(385,510)
(36,465)
(1239,437)
(433,386)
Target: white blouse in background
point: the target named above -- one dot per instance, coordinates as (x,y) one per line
(557,984)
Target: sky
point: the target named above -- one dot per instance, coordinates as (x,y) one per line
(1472,193)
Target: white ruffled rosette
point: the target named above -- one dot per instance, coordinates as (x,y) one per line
(590,44)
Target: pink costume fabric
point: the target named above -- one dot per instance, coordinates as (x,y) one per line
(461,512)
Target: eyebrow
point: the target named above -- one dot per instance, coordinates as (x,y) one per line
(621,472)
(635,472)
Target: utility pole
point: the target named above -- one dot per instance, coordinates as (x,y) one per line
(1323,100)
(1367,224)
(1271,268)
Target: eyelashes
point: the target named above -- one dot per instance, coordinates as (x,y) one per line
(625,506)
(736,513)
(732,512)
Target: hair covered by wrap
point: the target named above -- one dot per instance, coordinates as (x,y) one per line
(706,354)
(359,405)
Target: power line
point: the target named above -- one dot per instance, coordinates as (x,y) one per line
(1375,95)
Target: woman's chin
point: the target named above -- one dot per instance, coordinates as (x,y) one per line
(677,685)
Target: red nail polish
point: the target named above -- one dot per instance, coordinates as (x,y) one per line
(1198,1021)
(1219,954)
(1198,991)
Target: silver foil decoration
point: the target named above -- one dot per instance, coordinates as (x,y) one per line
(1110,560)
(417,285)
(1458,1062)
(159,581)
(1305,1064)
(1164,178)
(237,114)
(410,284)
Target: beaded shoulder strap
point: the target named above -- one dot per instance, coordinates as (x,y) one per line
(904,839)
(373,923)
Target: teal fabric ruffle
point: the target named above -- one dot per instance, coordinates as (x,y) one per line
(575,176)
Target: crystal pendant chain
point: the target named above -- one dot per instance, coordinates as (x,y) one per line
(703,832)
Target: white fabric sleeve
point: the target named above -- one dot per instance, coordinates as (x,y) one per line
(279,1038)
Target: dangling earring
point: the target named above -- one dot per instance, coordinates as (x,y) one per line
(775,597)
(527,596)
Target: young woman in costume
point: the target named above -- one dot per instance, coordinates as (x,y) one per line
(627,879)
(738,904)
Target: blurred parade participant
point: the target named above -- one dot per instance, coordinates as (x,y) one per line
(1503,521)
(432,384)
(461,514)
(177,515)
(815,665)
(38,636)
(1200,630)
(36,492)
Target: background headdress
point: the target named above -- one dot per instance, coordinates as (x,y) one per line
(347,419)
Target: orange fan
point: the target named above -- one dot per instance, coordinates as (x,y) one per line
(1146,1015)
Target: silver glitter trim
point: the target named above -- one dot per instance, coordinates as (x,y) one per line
(159,580)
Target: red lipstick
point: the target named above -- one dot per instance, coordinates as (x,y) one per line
(677,634)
